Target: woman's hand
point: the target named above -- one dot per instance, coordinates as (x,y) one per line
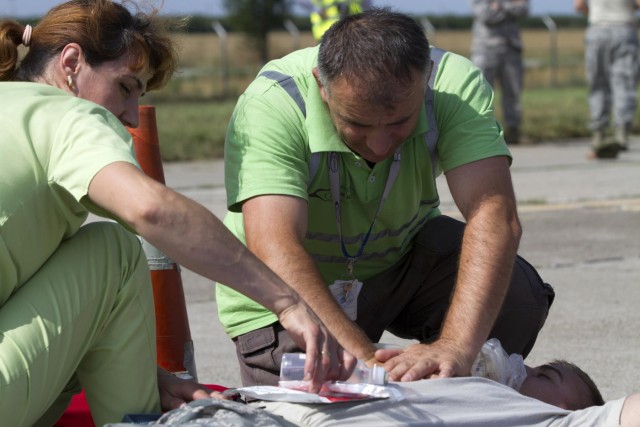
(326,360)
(175,392)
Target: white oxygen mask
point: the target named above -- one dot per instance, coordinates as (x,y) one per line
(494,363)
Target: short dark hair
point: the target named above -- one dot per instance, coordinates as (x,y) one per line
(372,49)
(594,398)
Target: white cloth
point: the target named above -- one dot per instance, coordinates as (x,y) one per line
(612,12)
(464,402)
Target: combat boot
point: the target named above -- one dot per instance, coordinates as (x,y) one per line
(621,136)
(603,149)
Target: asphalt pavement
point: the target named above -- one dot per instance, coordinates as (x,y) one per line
(581,221)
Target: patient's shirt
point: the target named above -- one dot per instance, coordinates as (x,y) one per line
(468,402)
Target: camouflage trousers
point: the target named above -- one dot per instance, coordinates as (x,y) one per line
(503,66)
(611,60)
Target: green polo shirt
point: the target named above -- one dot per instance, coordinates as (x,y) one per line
(52,145)
(269,148)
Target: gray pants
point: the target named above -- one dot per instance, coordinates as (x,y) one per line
(611,58)
(503,65)
(410,300)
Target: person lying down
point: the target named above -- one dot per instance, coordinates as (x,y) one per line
(562,393)
(502,391)
(554,394)
(452,402)
(468,402)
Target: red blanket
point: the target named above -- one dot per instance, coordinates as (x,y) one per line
(78,415)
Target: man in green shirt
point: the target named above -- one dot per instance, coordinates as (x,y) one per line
(331,159)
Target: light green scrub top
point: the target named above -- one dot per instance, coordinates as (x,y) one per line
(52,145)
(268,150)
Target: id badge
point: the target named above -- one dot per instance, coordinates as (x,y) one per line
(346,293)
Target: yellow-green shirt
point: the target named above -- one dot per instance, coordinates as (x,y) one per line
(51,147)
(269,146)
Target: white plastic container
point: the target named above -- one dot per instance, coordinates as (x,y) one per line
(292,369)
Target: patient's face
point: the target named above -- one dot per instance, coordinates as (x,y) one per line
(556,385)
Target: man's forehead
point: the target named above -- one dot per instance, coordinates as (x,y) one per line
(388,93)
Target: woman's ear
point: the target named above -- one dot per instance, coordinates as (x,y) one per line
(69,65)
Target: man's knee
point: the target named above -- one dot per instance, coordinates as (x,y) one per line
(527,287)
(524,310)
(526,305)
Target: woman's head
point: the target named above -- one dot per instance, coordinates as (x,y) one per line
(79,37)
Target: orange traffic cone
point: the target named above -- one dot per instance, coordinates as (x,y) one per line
(173,337)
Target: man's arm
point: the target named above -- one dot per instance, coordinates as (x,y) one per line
(275,227)
(488,12)
(484,195)
(193,237)
(483,192)
(517,8)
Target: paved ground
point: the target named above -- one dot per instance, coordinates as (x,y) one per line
(581,224)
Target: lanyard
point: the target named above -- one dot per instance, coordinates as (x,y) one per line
(334,178)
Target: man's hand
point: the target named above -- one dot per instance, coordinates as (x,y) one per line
(175,392)
(440,359)
(326,359)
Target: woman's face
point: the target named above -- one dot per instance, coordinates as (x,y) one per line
(115,86)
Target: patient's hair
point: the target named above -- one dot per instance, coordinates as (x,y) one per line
(594,398)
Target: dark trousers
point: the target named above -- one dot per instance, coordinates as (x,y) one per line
(410,300)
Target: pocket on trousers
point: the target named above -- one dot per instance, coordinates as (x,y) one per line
(255,343)
(263,348)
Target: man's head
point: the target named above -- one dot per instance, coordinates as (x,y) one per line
(563,384)
(372,73)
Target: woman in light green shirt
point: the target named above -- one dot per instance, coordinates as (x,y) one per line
(76,307)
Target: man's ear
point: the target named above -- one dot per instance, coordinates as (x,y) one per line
(323,90)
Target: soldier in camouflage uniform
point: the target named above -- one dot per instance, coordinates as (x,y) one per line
(497,50)
(611,60)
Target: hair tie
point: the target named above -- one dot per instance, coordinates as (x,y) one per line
(26,35)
